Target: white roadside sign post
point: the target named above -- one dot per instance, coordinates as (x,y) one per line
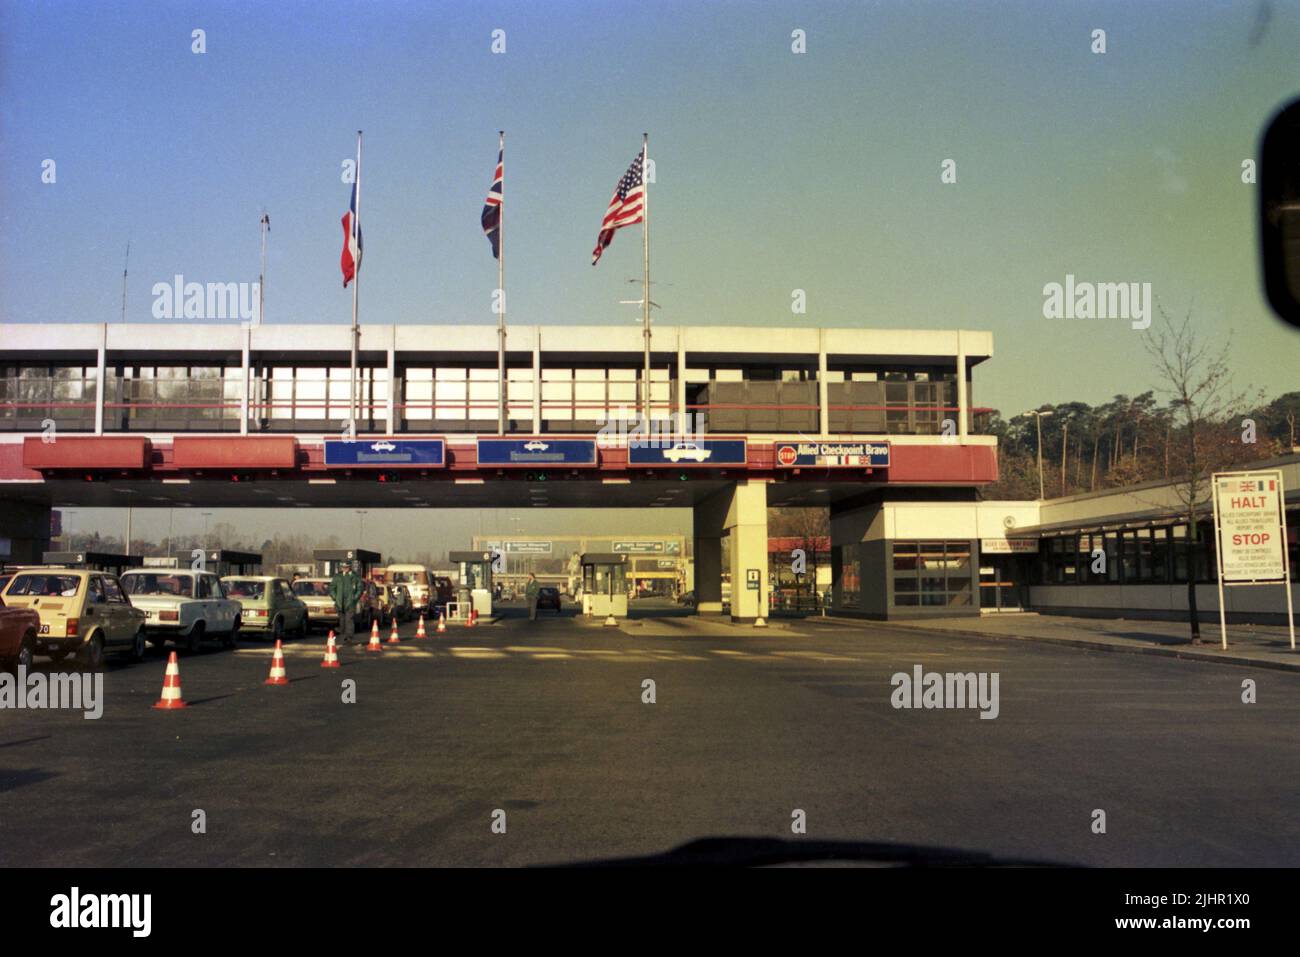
(1250,536)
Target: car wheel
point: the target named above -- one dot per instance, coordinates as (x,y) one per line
(91,655)
(137,646)
(194,643)
(231,638)
(26,652)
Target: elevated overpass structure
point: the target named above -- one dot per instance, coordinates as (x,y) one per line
(217,415)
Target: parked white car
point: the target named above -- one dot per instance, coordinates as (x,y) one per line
(183,606)
(686,450)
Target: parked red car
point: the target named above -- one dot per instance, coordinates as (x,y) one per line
(18,630)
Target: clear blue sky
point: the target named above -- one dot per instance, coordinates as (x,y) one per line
(775,171)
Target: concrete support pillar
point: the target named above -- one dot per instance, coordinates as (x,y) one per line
(391,406)
(708,575)
(963,401)
(823,388)
(682,411)
(244,378)
(738,513)
(747,537)
(537,380)
(101,366)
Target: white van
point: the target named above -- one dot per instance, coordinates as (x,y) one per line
(416,578)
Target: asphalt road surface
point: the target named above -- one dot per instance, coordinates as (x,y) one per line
(546,723)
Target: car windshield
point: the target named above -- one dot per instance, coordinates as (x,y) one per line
(405,578)
(321,589)
(145,583)
(55,586)
(245,588)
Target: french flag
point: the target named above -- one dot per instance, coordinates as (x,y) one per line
(351,258)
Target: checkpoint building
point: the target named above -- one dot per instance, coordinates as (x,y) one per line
(219,415)
(878,426)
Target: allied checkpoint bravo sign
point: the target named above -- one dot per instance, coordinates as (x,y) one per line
(386,453)
(1250,534)
(833,455)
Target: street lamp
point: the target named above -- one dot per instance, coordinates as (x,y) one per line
(1038,417)
(206,516)
(361,526)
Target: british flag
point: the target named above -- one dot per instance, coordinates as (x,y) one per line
(626,208)
(491,217)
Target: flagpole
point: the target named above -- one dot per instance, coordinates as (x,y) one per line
(356,282)
(645,280)
(501,292)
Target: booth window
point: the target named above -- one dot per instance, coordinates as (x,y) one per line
(932,574)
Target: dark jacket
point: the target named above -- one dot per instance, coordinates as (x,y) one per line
(345,591)
(533,588)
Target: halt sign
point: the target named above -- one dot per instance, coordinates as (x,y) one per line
(1250,532)
(1251,540)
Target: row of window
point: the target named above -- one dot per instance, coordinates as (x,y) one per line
(931,574)
(1138,556)
(934,574)
(629,373)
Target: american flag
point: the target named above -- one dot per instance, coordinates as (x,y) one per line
(625,209)
(491,217)
(350,261)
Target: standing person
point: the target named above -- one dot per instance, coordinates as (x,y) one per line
(345,592)
(531,593)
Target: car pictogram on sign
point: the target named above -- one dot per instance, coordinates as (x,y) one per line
(686,450)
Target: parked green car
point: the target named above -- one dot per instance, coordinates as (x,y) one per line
(270,606)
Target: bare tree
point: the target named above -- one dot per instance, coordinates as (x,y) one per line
(1197,379)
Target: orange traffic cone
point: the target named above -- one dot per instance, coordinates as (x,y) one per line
(277,675)
(473,618)
(374,638)
(171,689)
(392,635)
(442,623)
(419,632)
(331,654)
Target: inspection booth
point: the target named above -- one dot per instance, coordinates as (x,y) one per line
(328,560)
(475,588)
(95,561)
(225,561)
(604,584)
